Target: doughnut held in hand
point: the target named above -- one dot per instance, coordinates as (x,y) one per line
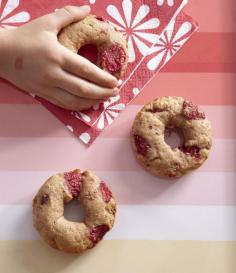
(48,211)
(110,43)
(148,137)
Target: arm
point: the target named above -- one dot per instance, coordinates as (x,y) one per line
(33,59)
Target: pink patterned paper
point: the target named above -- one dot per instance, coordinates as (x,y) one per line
(155,31)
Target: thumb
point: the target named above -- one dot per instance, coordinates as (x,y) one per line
(68,15)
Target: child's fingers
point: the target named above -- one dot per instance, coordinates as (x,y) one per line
(83,88)
(68,15)
(68,101)
(81,67)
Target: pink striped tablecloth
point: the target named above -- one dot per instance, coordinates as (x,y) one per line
(184,227)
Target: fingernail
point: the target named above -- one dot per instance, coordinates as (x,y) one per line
(120,82)
(115,91)
(115,82)
(86,8)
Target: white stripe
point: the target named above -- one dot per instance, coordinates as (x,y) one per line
(194,189)
(140,223)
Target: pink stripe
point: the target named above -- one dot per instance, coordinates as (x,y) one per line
(202,88)
(106,154)
(134,188)
(209,21)
(198,87)
(199,54)
(32,122)
(29,120)
(220,117)
(11,94)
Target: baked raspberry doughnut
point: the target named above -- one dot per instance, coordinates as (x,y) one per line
(148,137)
(110,43)
(48,209)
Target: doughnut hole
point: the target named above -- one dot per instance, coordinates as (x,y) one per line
(174,137)
(89,52)
(74,211)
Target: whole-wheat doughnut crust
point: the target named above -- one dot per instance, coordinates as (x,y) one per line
(48,211)
(148,139)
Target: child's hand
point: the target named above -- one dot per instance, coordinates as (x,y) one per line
(32,58)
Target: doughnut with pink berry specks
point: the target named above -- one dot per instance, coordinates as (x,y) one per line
(148,137)
(109,41)
(95,197)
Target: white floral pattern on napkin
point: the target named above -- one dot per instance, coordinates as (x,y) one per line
(9,18)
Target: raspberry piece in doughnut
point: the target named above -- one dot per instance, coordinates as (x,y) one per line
(97,233)
(44,199)
(113,58)
(156,110)
(194,151)
(73,181)
(100,18)
(171,175)
(141,145)
(191,112)
(106,193)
